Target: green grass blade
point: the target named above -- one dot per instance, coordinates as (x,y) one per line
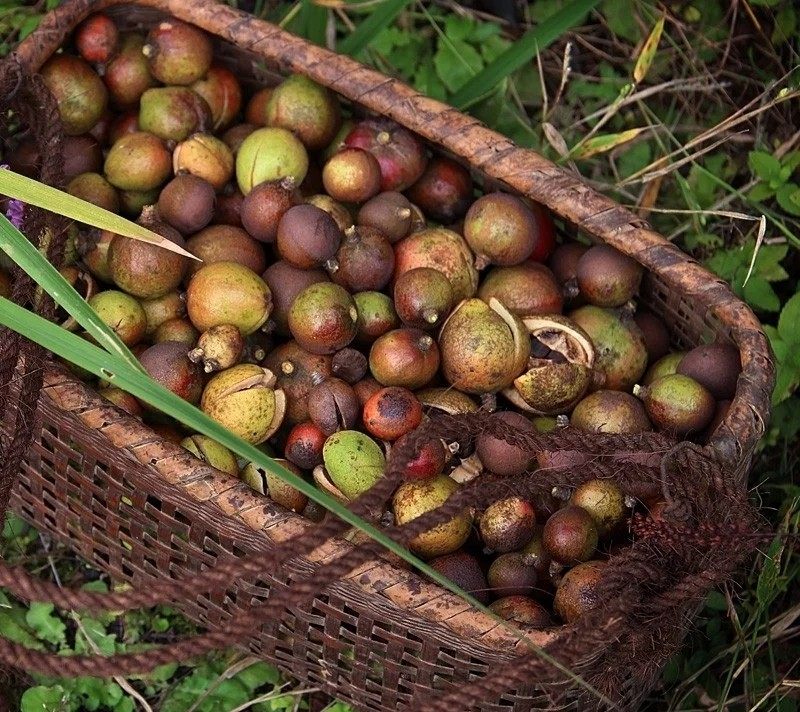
(22,251)
(120,374)
(314,21)
(378,20)
(522,51)
(35,193)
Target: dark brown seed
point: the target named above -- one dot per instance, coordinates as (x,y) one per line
(333,406)
(350,365)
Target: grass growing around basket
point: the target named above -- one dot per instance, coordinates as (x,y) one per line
(721,148)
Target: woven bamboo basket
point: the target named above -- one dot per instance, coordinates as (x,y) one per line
(141,508)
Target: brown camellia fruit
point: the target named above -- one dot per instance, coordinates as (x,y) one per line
(305,108)
(399,153)
(464,570)
(564,265)
(223,94)
(286,282)
(440,249)
(323,318)
(364,261)
(350,365)
(335,209)
(97,38)
(716,367)
(127,76)
(82,154)
(235,136)
(508,524)
(606,277)
(187,203)
(307,236)
(265,205)
(677,404)
(522,610)
(389,212)
(605,502)
(228,293)
(120,126)
(226,243)
(333,405)
(500,457)
(391,413)
(178,53)
(404,357)
(80,94)
(145,270)
(169,364)
(444,191)
(576,593)
(610,412)
(656,336)
(256,110)
(524,290)
(173,113)
(500,229)
(570,535)
(228,209)
(298,371)
(304,445)
(95,189)
(352,176)
(138,162)
(423,297)
(510,576)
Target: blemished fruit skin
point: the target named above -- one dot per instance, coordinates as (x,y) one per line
(678,404)
(80,94)
(576,593)
(716,367)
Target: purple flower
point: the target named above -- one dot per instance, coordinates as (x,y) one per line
(15,211)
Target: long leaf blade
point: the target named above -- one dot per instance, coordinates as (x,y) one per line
(648,52)
(22,251)
(378,20)
(44,196)
(73,348)
(522,51)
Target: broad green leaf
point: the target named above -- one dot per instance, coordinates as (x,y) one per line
(764,165)
(13,627)
(604,143)
(761,295)
(45,623)
(621,18)
(35,193)
(457,27)
(634,158)
(259,674)
(22,251)
(785,25)
(760,191)
(523,51)
(788,197)
(648,51)
(789,321)
(380,17)
(455,62)
(43,699)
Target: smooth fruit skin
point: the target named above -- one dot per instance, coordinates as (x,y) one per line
(352,176)
(323,318)
(144,270)
(510,576)
(285,283)
(127,75)
(430,460)
(228,293)
(223,94)
(97,39)
(178,53)
(444,190)
(500,229)
(139,161)
(354,462)
(122,313)
(307,236)
(606,277)
(716,367)
(376,316)
(270,154)
(211,452)
(95,189)
(525,290)
(413,499)
(169,364)
(423,297)
(604,501)
(187,203)
(440,249)
(226,243)
(500,457)
(309,110)
(508,524)
(391,413)
(264,206)
(576,594)
(656,335)
(173,113)
(404,357)
(570,535)
(665,366)
(619,344)
(679,404)
(80,94)
(388,212)
(610,412)
(243,400)
(364,261)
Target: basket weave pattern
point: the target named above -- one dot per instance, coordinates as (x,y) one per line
(141,508)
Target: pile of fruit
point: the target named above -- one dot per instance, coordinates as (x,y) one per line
(353,284)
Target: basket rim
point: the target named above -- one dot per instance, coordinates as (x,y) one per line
(520,170)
